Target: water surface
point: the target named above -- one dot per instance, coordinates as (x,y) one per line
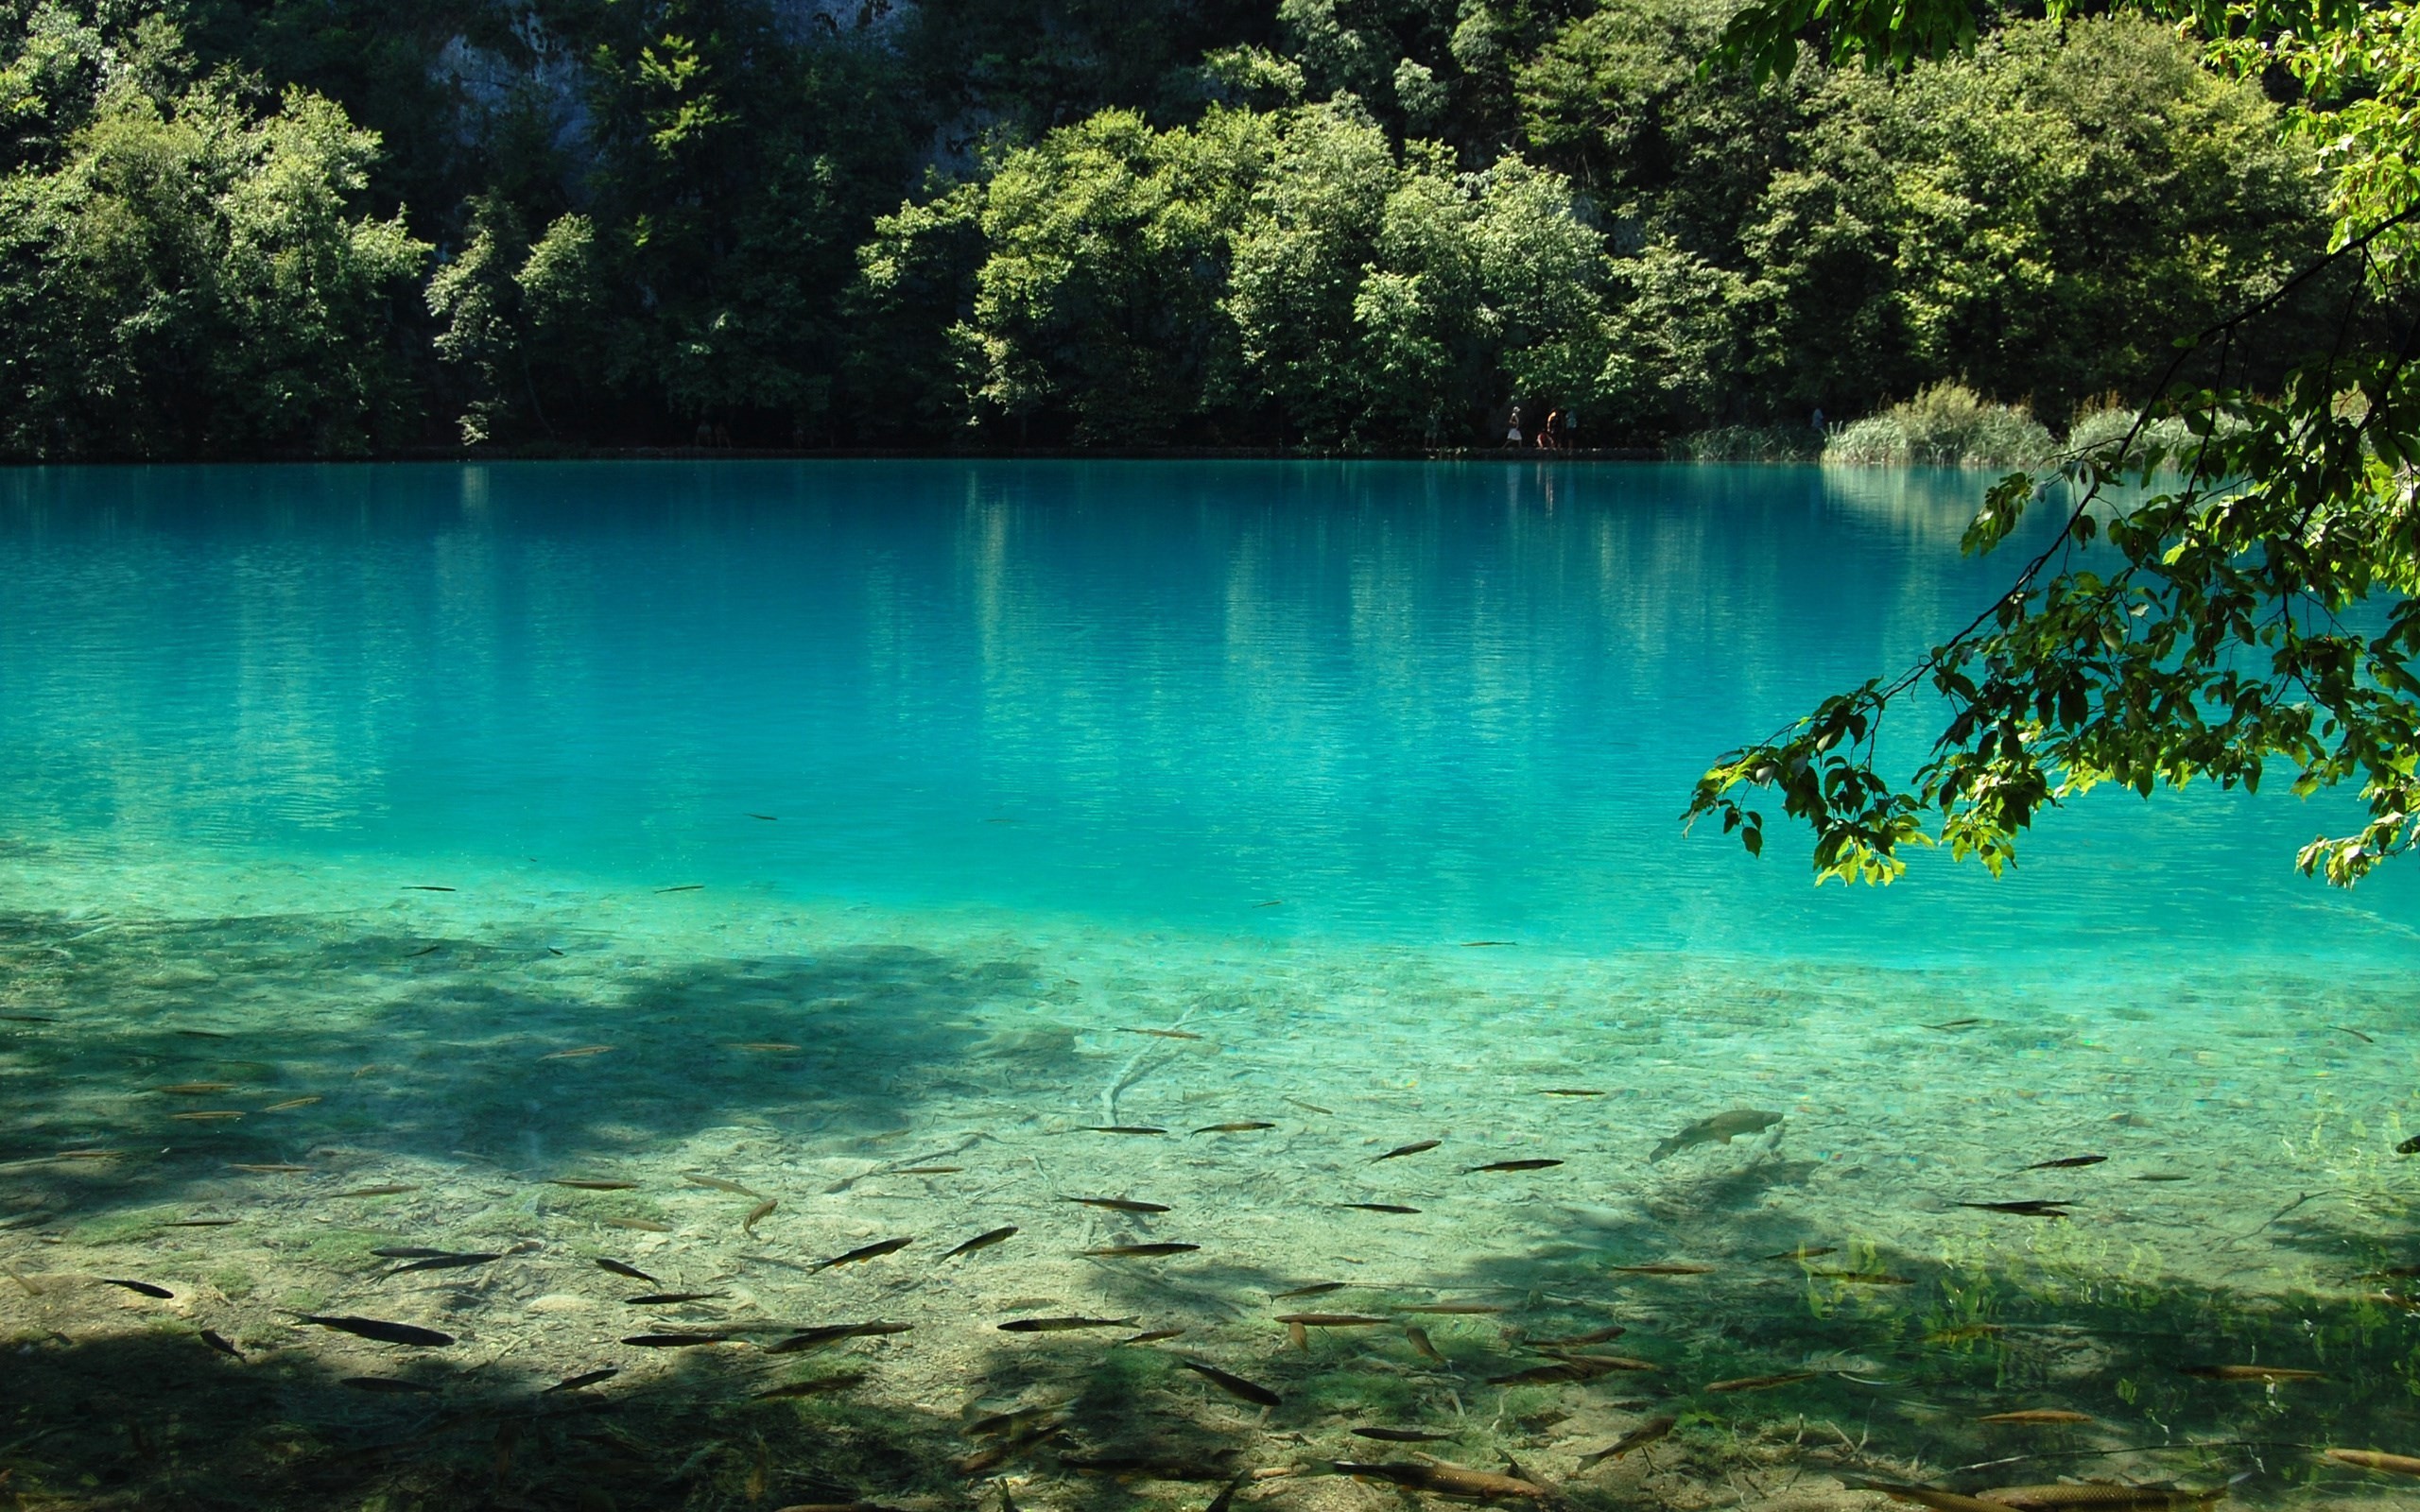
(842,831)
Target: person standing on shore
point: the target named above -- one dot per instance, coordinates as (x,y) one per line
(1513,428)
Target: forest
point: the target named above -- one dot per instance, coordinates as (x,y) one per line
(273,228)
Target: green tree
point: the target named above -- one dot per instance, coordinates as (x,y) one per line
(2256,605)
(192,278)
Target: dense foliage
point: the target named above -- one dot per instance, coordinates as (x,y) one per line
(2251,604)
(268,225)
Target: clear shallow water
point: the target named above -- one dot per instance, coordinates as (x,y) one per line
(1056,755)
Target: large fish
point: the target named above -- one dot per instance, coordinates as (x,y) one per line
(1720,1129)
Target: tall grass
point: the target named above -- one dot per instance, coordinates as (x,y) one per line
(1748,443)
(1945,425)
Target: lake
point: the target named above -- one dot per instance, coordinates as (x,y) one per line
(556,863)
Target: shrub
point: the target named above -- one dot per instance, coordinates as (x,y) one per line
(1948,424)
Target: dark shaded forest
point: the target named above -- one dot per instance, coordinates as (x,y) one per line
(260,228)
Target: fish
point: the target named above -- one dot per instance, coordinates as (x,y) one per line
(1155,1467)
(1761,1382)
(1448,1480)
(2066,1162)
(757,1215)
(425,887)
(1332,1320)
(141,1288)
(2026,1207)
(1449,1309)
(2267,1374)
(291,1103)
(1570,1091)
(214,1115)
(645,1226)
(984,1459)
(1931,1495)
(864,1252)
(1154,1336)
(718,1184)
(1234,1385)
(1509,1165)
(1140,1251)
(408,1252)
(584,1183)
(769,818)
(219,1341)
(388,1383)
(29,1018)
(2106,1495)
(2355,1033)
(1798,1254)
(2037,1415)
(1483,944)
(2370,1459)
(686,886)
(669,1298)
(1119,1204)
(426,950)
(1315,1107)
(586,1378)
(1163,1034)
(1269,903)
(1001,1422)
(1378,1206)
(1603,1336)
(577,1053)
(1722,1128)
(1953,1024)
(381,1330)
(1638,1437)
(445,1263)
(88,1155)
(2410,1147)
(1543,1374)
(2163,1175)
(196,1089)
(1218,1504)
(1601,1364)
(1402,1150)
(1421,1345)
(1863,1277)
(392,1188)
(1063,1325)
(1401,1435)
(812,1388)
(1244,1128)
(674,1341)
(1122,1128)
(619,1268)
(1315,1289)
(1663,1267)
(767,1047)
(984,1241)
(1297,1338)
(928,1170)
(806,1339)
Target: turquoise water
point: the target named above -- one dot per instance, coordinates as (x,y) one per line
(812,826)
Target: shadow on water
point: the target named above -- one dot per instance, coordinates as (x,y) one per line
(1890,1389)
(438,1065)
(190,1050)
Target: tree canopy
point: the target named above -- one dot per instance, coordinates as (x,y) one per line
(1354,224)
